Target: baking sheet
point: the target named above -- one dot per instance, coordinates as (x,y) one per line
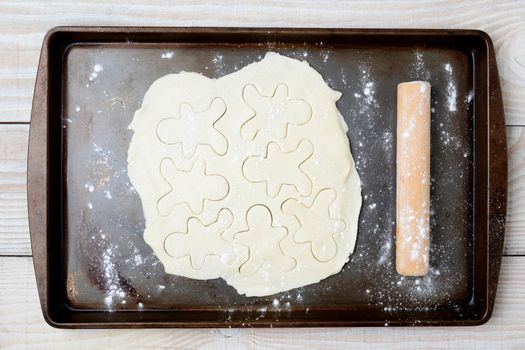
(108,268)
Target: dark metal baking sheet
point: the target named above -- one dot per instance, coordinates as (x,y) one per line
(92,265)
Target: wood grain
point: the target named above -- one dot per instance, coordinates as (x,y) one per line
(22,325)
(24,23)
(14,231)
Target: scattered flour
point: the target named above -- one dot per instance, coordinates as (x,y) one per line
(452,91)
(167,54)
(418,67)
(97,68)
(114,293)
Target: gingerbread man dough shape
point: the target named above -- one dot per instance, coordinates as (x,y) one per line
(263,240)
(195,128)
(201,240)
(273,114)
(317,226)
(190,187)
(278,168)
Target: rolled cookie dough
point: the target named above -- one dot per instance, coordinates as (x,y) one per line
(248,177)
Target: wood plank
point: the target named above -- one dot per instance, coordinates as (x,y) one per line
(22,325)
(14,231)
(23,24)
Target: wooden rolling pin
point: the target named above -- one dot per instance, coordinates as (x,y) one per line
(413,178)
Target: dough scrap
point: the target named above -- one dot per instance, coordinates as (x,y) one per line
(248,177)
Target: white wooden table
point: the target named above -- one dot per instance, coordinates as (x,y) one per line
(22,27)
